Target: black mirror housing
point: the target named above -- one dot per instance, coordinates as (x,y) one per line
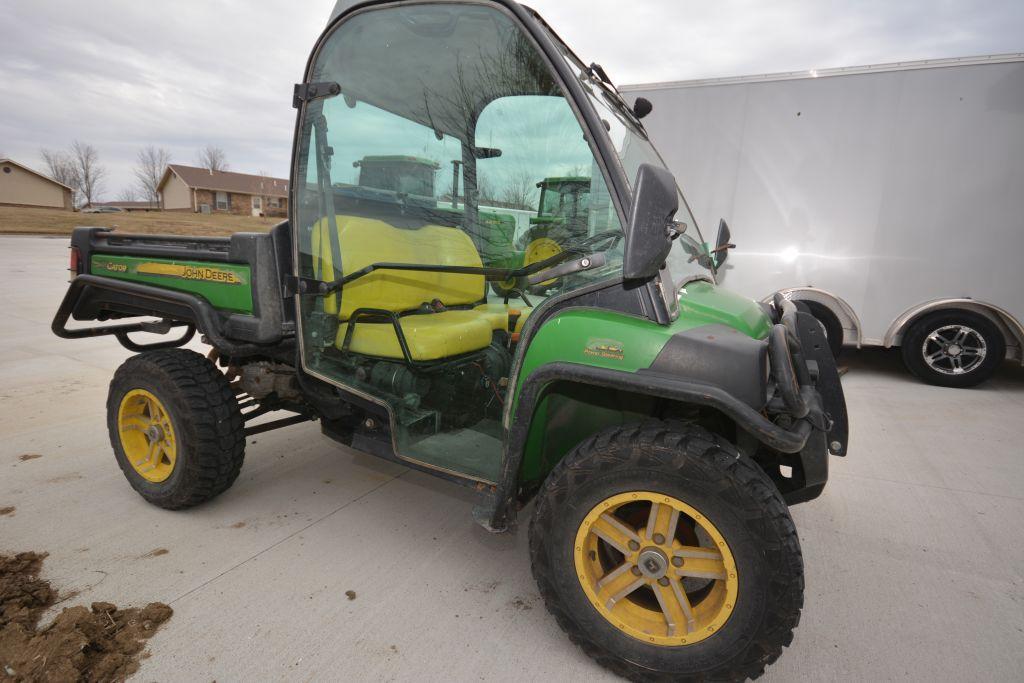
(642,107)
(648,239)
(722,244)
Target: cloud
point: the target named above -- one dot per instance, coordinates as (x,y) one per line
(123,74)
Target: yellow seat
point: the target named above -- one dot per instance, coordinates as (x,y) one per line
(497,315)
(429,336)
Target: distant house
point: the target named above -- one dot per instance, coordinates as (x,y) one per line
(187,188)
(21,186)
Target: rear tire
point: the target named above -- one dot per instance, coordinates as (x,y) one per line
(953,348)
(202,431)
(724,492)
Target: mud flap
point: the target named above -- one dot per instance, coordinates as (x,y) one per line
(826,379)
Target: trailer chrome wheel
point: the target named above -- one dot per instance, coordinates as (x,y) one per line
(953,348)
(669,581)
(147,435)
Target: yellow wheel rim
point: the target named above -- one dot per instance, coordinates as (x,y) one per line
(656,568)
(541,249)
(147,435)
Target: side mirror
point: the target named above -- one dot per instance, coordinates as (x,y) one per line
(722,245)
(650,231)
(642,107)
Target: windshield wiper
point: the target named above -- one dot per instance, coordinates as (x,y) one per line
(612,95)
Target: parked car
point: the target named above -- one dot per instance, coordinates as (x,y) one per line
(103,209)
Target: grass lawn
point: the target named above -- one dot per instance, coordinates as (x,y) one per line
(24,221)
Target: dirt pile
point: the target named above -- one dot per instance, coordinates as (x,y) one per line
(102,643)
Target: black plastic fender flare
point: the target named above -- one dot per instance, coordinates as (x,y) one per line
(659,385)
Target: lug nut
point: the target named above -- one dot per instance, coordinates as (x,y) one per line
(663,581)
(633,545)
(635,570)
(659,539)
(677,561)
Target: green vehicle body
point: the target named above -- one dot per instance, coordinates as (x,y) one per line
(226,286)
(618,342)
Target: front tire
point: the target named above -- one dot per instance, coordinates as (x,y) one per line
(666,555)
(953,348)
(176,428)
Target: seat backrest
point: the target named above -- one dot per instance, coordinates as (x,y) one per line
(364,241)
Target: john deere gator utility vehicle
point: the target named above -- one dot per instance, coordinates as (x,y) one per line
(659,423)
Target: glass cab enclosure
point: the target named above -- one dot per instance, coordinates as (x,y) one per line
(444,124)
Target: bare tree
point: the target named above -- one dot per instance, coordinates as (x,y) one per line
(519,190)
(212,158)
(484,189)
(61,168)
(90,174)
(128,194)
(150,164)
(580,171)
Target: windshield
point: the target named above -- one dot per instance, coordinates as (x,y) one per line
(632,146)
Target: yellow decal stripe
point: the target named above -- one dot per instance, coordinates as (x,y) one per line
(184,272)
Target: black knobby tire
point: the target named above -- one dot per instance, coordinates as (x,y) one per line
(913,351)
(207,422)
(707,472)
(833,328)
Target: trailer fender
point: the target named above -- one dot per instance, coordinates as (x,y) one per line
(1012,329)
(843,311)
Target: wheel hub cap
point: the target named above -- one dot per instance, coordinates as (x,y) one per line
(954,349)
(652,563)
(656,568)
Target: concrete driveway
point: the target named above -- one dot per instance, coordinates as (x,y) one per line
(914,554)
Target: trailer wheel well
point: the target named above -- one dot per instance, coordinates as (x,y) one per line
(1011,328)
(844,314)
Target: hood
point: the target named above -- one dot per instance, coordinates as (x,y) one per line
(703,302)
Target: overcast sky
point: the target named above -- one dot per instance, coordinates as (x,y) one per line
(121,74)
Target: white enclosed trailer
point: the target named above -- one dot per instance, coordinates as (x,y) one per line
(889,197)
